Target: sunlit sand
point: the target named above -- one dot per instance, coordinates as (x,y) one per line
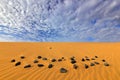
(59,61)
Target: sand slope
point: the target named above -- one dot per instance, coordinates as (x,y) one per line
(108,51)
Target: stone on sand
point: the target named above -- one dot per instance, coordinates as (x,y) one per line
(50,65)
(63,70)
(40,65)
(27,66)
(13,60)
(18,63)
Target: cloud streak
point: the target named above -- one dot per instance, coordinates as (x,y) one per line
(60,20)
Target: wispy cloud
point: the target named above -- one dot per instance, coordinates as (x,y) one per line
(59,20)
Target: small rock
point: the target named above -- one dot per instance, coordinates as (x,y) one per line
(103,60)
(27,66)
(73,61)
(92,58)
(83,59)
(87,59)
(44,58)
(62,58)
(106,64)
(22,57)
(13,60)
(96,62)
(86,66)
(39,57)
(40,65)
(75,66)
(18,63)
(53,60)
(72,58)
(50,65)
(92,64)
(36,61)
(96,56)
(59,60)
(63,70)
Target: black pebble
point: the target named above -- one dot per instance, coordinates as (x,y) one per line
(53,60)
(87,59)
(22,57)
(72,58)
(44,58)
(40,65)
(73,61)
(13,60)
(96,56)
(86,66)
(59,60)
(92,64)
(75,66)
(62,58)
(63,70)
(27,66)
(83,59)
(106,64)
(18,63)
(39,57)
(92,58)
(36,61)
(50,65)
(96,62)
(103,60)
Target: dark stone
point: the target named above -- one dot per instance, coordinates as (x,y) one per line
(18,63)
(50,65)
(53,60)
(96,62)
(92,64)
(13,60)
(83,59)
(75,66)
(39,57)
(73,61)
(72,58)
(103,60)
(22,57)
(63,70)
(59,60)
(92,58)
(36,61)
(27,66)
(40,65)
(86,66)
(44,58)
(96,56)
(87,59)
(62,58)
(106,64)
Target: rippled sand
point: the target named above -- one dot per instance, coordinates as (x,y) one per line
(108,51)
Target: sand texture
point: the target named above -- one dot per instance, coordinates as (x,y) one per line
(60,55)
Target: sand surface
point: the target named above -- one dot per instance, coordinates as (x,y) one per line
(108,51)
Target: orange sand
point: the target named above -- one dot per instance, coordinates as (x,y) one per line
(108,51)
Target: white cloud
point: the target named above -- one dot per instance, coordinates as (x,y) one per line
(60,20)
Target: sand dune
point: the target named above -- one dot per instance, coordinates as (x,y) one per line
(110,52)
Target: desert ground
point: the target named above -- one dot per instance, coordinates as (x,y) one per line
(31,61)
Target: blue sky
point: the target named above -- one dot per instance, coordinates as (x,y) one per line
(60,20)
